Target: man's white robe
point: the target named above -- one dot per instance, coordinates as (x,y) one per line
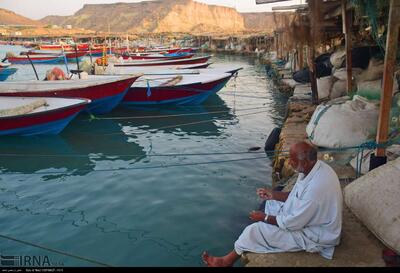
(310,219)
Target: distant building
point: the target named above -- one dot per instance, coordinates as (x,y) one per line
(68,26)
(55,26)
(18,33)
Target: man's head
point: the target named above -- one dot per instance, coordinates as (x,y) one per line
(303,157)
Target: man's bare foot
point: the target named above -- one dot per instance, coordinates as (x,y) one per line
(212,261)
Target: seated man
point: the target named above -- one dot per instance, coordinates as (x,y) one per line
(308,218)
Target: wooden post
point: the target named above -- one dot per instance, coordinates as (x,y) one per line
(313,72)
(388,74)
(301,56)
(311,54)
(347,22)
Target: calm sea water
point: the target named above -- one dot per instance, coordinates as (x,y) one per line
(128,190)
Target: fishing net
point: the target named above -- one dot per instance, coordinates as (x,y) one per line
(374,14)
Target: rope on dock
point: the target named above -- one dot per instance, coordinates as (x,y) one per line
(55,251)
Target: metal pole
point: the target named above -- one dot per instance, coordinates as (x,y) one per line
(90,53)
(34,69)
(77,61)
(65,59)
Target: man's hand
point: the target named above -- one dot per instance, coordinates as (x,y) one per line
(265,194)
(257,216)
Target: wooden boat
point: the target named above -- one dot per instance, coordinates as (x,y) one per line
(70,55)
(174,70)
(145,56)
(6,72)
(4,64)
(197,60)
(177,90)
(60,47)
(33,116)
(105,92)
(36,59)
(165,50)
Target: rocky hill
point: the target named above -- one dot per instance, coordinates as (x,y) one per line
(185,16)
(11,18)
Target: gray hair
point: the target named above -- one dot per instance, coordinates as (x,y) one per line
(306,151)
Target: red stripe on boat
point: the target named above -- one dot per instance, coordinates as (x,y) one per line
(8,123)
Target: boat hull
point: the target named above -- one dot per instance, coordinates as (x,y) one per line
(104,98)
(199,60)
(159,58)
(69,54)
(36,60)
(52,122)
(6,72)
(190,94)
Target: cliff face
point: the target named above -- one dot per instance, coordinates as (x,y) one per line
(195,17)
(185,16)
(11,18)
(54,20)
(154,16)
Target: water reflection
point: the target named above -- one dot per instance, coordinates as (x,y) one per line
(77,150)
(278,105)
(202,120)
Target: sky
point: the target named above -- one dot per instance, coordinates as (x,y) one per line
(37,9)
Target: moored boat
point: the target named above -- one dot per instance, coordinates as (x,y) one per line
(176,89)
(36,59)
(197,60)
(172,70)
(6,72)
(59,47)
(105,92)
(171,50)
(70,55)
(175,56)
(33,116)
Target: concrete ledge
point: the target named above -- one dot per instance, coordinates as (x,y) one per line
(358,247)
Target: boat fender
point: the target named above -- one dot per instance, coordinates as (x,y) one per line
(55,74)
(272,140)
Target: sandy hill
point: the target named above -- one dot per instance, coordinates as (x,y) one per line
(185,16)
(11,18)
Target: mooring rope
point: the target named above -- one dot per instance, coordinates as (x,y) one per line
(185,124)
(55,251)
(143,167)
(174,115)
(135,155)
(359,148)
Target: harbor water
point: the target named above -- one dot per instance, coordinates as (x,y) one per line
(141,187)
